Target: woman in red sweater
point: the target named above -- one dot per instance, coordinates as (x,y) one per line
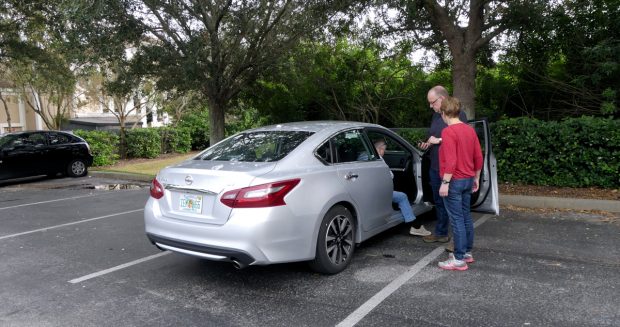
(460,162)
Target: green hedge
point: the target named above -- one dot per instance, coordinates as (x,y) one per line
(575,152)
(198,126)
(103,145)
(143,143)
(177,140)
(412,135)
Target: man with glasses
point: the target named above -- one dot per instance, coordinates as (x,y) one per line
(435,96)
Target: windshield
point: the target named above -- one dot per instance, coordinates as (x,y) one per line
(6,140)
(266,146)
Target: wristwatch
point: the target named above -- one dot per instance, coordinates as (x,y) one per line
(445,182)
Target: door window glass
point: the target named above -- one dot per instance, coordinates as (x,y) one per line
(56,138)
(351,147)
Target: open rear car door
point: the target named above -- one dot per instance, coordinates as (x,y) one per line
(487,197)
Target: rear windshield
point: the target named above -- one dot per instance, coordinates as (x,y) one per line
(256,146)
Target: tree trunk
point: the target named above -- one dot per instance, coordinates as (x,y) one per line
(216,121)
(464,82)
(8,114)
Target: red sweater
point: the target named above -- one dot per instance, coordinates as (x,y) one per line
(459,153)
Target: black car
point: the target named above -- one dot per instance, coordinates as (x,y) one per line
(24,154)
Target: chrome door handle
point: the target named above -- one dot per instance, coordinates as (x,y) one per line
(350,176)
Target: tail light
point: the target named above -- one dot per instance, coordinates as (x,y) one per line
(157,190)
(264,195)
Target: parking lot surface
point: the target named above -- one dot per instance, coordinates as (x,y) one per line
(73,253)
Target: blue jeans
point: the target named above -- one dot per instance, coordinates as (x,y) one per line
(401,199)
(458,206)
(441,228)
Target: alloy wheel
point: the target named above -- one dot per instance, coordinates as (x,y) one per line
(339,239)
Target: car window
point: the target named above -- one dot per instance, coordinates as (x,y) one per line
(391,145)
(7,139)
(324,152)
(351,147)
(265,146)
(57,138)
(30,139)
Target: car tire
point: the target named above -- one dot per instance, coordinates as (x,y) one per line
(336,241)
(77,168)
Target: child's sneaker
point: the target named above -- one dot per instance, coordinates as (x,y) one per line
(468,258)
(453,264)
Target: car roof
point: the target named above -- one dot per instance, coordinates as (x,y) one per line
(313,126)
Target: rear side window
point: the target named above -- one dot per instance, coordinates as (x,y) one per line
(56,138)
(265,146)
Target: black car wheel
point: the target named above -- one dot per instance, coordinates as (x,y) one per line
(77,168)
(336,241)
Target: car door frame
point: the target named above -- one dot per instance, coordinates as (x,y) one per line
(487,197)
(419,206)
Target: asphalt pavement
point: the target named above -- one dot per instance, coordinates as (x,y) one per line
(74,253)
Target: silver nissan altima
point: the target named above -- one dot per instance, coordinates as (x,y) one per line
(305,191)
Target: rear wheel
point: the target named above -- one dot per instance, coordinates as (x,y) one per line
(336,241)
(77,168)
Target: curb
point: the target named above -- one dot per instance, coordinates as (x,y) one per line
(124,176)
(538,202)
(543,202)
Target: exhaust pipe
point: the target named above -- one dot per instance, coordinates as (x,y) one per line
(238,264)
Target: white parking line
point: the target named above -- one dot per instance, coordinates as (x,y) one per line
(56,200)
(68,224)
(119,267)
(374,301)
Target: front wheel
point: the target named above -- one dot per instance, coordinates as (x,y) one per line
(77,168)
(336,241)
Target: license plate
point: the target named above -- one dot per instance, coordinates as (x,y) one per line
(190,203)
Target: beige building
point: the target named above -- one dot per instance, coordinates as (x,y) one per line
(22,119)
(86,113)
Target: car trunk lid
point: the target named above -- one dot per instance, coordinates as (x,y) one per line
(194,187)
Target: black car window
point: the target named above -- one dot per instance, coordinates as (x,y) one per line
(350,147)
(265,146)
(36,139)
(57,138)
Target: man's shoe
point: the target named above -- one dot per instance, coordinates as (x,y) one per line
(453,264)
(435,238)
(468,257)
(419,231)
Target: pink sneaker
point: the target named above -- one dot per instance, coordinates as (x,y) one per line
(468,258)
(453,264)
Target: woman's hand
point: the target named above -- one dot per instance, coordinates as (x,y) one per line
(443,190)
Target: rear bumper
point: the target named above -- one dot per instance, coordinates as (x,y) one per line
(209,252)
(251,236)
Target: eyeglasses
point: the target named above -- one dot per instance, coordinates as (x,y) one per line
(432,103)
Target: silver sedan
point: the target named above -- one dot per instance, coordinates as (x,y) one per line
(307,191)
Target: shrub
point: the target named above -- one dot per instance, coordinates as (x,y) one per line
(412,135)
(103,145)
(575,152)
(178,140)
(143,143)
(198,126)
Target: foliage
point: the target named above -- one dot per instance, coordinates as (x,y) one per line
(566,64)
(413,135)
(343,81)
(244,118)
(143,143)
(217,48)
(575,152)
(104,146)
(197,123)
(177,140)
